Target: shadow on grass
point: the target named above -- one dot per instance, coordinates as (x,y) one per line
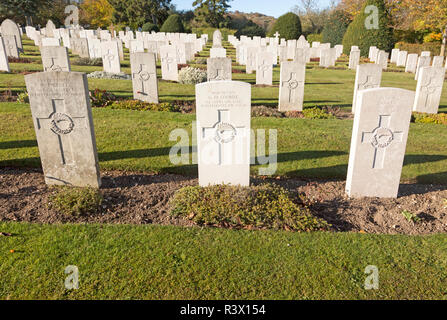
(18,144)
(423,158)
(437,178)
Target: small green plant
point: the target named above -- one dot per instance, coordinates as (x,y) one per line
(191,75)
(88,62)
(101,98)
(23,97)
(317,113)
(266,206)
(440,118)
(411,217)
(74,201)
(143,106)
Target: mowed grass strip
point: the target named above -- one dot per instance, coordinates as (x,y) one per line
(139,141)
(154,262)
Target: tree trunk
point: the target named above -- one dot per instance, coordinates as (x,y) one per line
(444,41)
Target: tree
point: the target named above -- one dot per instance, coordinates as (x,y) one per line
(312,18)
(97,13)
(173,24)
(363,31)
(335,27)
(251,29)
(211,12)
(135,13)
(149,27)
(21,11)
(288,26)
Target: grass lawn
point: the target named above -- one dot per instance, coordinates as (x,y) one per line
(153,262)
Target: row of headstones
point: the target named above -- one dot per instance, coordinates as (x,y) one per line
(64,128)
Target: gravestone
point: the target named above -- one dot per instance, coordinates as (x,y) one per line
(354,59)
(79,46)
(4,64)
(50,42)
(49,29)
(425,54)
(438,61)
(251,59)
(136,46)
(264,68)
(382,59)
(412,63)
(291,86)
(402,58)
(368,76)
(423,61)
(10,28)
(169,64)
(144,76)
(55,59)
(379,139)
(181,52)
(429,89)
(11,46)
(218,69)
(327,58)
(218,53)
(394,55)
(300,55)
(94,48)
(110,57)
(217,39)
(223,131)
(63,122)
(372,52)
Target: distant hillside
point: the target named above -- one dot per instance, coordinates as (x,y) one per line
(239,19)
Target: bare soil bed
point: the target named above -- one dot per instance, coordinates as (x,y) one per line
(142,198)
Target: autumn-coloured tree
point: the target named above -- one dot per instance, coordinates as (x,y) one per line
(97,13)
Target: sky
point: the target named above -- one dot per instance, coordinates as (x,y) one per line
(273,8)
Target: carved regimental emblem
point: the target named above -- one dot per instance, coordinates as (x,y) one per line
(61,123)
(225,132)
(382,137)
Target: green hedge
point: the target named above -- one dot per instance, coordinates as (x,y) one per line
(288,26)
(173,24)
(433,47)
(358,35)
(209,31)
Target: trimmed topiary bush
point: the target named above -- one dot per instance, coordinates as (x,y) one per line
(173,24)
(149,27)
(288,26)
(267,206)
(335,28)
(358,35)
(251,30)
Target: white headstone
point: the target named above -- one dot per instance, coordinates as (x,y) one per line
(223,131)
(378,143)
(402,58)
(423,61)
(412,63)
(217,39)
(394,55)
(169,64)
(368,76)
(218,69)
(144,76)
(4,64)
(55,59)
(10,28)
(218,53)
(429,89)
(264,68)
(11,46)
(110,57)
(354,59)
(63,122)
(438,61)
(291,86)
